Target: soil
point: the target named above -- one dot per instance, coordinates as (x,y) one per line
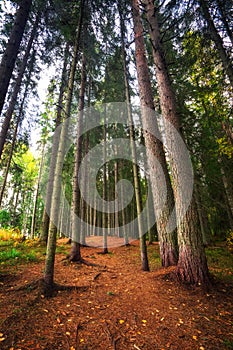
(112,305)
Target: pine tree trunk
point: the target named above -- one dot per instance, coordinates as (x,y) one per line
(17,87)
(56,193)
(155,151)
(76,234)
(49,187)
(226,60)
(143,248)
(19,119)
(192,264)
(33,223)
(9,161)
(104,193)
(9,57)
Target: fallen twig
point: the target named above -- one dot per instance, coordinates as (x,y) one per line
(136,347)
(96,276)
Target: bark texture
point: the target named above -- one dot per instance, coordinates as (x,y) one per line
(155,150)
(56,193)
(75,254)
(16,90)
(9,57)
(192,264)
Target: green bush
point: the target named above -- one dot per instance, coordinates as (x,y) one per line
(4,218)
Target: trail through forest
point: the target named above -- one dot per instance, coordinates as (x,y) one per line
(114,305)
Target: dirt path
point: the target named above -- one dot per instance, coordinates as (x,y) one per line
(114,306)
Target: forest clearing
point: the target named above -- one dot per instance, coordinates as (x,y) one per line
(113,304)
(116,162)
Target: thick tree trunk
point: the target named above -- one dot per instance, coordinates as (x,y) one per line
(155,151)
(9,57)
(192,264)
(17,87)
(226,60)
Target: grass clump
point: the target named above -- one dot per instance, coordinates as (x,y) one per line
(13,256)
(220,262)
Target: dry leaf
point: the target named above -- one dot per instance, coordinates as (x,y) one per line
(194,337)
(2,339)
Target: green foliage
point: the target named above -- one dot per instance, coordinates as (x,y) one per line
(229,240)
(18,253)
(220,262)
(14,256)
(4,218)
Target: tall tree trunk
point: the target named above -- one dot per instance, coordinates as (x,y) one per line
(226,60)
(104,191)
(33,223)
(19,119)
(75,253)
(155,151)
(9,57)
(16,90)
(51,245)
(142,238)
(192,264)
(227,183)
(9,160)
(49,187)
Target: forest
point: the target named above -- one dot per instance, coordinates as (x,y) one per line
(116,191)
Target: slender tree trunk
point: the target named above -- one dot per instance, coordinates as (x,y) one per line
(142,238)
(9,57)
(16,90)
(33,223)
(51,246)
(116,214)
(155,151)
(226,60)
(49,187)
(192,264)
(105,213)
(19,119)
(123,216)
(75,253)
(9,160)
(227,183)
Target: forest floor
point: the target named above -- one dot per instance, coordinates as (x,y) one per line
(114,305)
